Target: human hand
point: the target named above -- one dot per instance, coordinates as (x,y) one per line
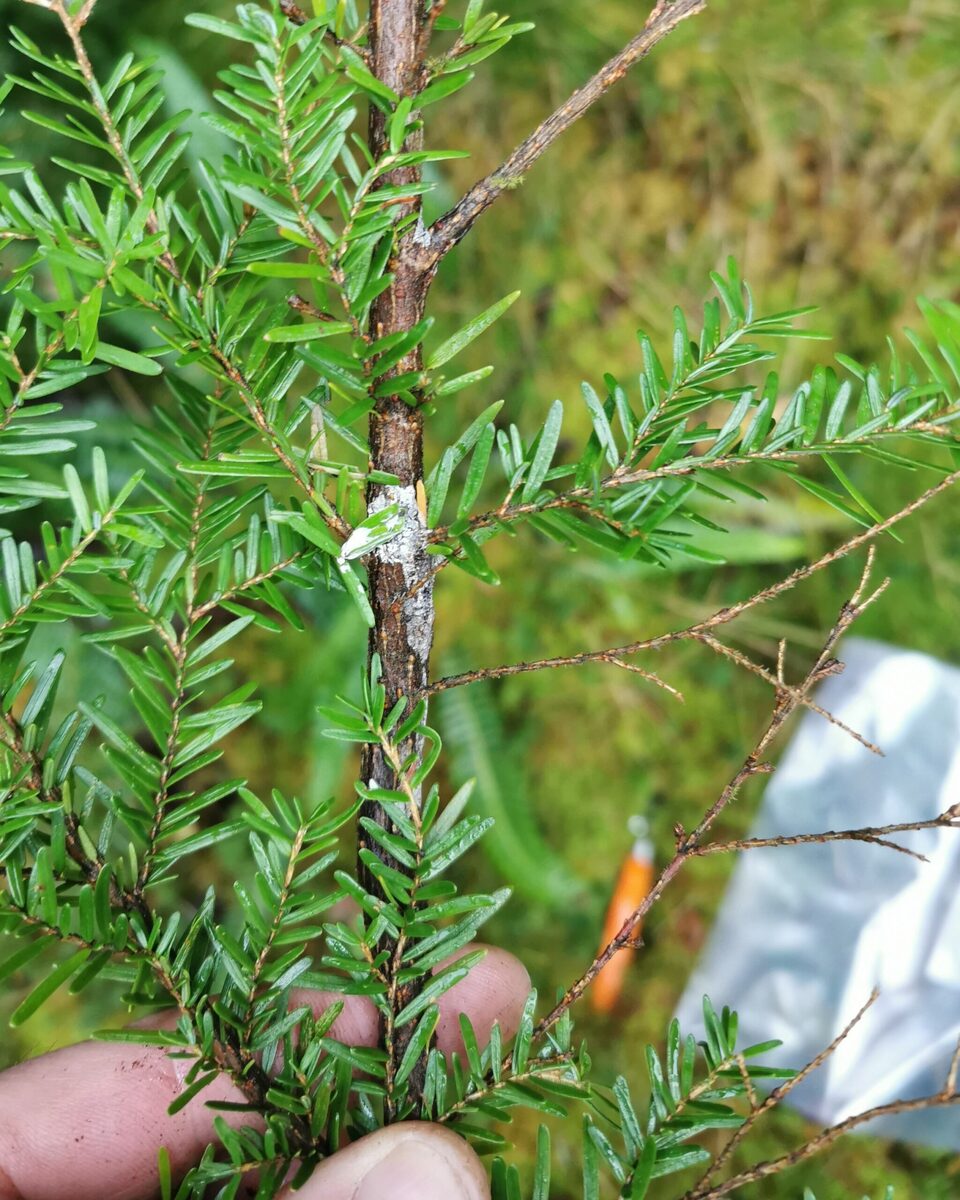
(86,1122)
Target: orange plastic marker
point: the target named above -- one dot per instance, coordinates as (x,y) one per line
(633,884)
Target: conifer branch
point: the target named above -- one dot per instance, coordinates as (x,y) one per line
(584,498)
(540,1067)
(137,235)
(946,1097)
(269,434)
(248,585)
(300,204)
(57,573)
(778,1094)
(27,378)
(700,630)
(178,692)
(691,844)
(82,852)
(451,228)
(12,737)
(73,27)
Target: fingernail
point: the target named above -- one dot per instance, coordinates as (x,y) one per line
(414,1171)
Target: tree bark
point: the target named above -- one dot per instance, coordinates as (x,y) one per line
(402,633)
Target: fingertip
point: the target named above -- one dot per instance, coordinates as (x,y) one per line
(411,1161)
(87,1121)
(357,1024)
(494,992)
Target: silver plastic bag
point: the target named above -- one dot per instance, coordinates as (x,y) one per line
(804,934)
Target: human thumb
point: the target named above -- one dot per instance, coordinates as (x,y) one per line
(411,1161)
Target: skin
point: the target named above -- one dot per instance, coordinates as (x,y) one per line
(85,1122)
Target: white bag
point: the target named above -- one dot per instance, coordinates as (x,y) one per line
(805,933)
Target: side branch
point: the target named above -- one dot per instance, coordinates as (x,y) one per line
(449,229)
(691,844)
(947,1097)
(875,835)
(81,850)
(700,630)
(707,1190)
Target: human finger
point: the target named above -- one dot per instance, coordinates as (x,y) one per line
(87,1121)
(493,992)
(409,1161)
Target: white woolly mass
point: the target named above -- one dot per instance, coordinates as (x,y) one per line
(407,549)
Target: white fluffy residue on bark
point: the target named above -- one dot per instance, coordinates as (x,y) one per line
(421,235)
(408,549)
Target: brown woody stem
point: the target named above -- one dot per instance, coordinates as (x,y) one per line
(401,635)
(454,225)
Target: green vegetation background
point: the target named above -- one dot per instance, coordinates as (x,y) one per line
(819,141)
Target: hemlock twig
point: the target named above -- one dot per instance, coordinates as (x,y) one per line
(451,228)
(691,845)
(700,629)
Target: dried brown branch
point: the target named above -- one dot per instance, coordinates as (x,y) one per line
(876,835)
(777,681)
(691,845)
(649,675)
(954,1071)
(700,629)
(946,1097)
(449,229)
(789,700)
(780,1093)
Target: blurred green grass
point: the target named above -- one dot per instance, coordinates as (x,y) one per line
(818,141)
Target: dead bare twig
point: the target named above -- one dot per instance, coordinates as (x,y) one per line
(946,1097)
(701,630)
(449,229)
(780,1093)
(691,845)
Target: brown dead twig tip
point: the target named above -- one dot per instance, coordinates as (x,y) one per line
(648,675)
(453,226)
(293,12)
(707,1190)
(723,616)
(875,837)
(951,1085)
(831,666)
(824,1139)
